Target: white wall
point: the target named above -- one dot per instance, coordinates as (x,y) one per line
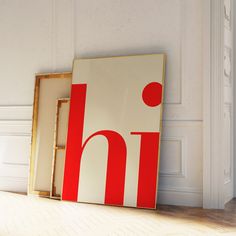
(36,37)
(44,36)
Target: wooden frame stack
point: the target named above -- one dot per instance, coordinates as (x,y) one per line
(39,138)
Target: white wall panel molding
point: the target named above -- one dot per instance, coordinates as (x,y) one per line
(14,170)
(181,189)
(213,73)
(174,150)
(19,155)
(15,139)
(174,95)
(17,112)
(182,108)
(178,176)
(15,127)
(14,184)
(189,81)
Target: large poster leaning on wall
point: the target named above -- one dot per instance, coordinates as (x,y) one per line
(113,143)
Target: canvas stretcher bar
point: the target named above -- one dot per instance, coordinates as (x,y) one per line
(60,133)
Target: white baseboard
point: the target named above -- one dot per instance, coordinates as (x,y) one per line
(180,197)
(13,184)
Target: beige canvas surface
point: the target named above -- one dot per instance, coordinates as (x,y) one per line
(50,90)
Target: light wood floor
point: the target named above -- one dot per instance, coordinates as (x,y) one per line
(22,216)
(220,220)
